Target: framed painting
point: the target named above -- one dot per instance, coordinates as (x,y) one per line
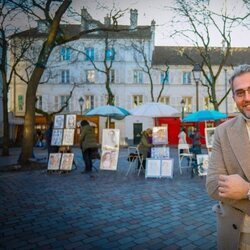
(160,152)
(109,159)
(68,137)
(70,121)
(54,161)
(57,135)
(160,135)
(67,161)
(153,168)
(110,139)
(167,166)
(209,136)
(202,162)
(59,121)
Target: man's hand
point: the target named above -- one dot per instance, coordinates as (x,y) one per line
(233,187)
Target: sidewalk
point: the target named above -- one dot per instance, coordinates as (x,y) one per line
(105,210)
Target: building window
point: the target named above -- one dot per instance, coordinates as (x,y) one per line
(110,54)
(137,100)
(165,77)
(65,54)
(138,76)
(186,78)
(39,102)
(90,76)
(188,104)
(89,102)
(90,54)
(207,104)
(112,76)
(65,76)
(20,102)
(164,99)
(63,100)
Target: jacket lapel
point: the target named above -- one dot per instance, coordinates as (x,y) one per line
(240,144)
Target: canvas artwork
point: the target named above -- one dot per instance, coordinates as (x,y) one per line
(202,161)
(167,168)
(153,168)
(160,152)
(57,136)
(68,137)
(70,121)
(54,161)
(59,121)
(67,161)
(110,139)
(160,135)
(209,135)
(109,159)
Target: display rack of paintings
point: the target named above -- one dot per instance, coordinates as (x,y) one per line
(159,168)
(110,149)
(63,136)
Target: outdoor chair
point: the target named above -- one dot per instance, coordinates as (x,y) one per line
(184,157)
(135,159)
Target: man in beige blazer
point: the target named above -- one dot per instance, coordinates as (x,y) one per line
(228,179)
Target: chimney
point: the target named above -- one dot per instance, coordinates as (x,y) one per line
(85,18)
(133,18)
(107,20)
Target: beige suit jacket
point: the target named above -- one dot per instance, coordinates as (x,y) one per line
(230,155)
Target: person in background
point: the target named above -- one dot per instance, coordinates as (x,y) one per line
(48,137)
(145,145)
(88,144)
(228,177)
(182,136)
(196,144)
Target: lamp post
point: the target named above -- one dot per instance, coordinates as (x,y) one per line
(197,77)
(81,101)
(182,109)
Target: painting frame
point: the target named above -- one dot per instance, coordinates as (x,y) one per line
(67,161)
(160,152)
(68,137)
(109,159)
(153,168)
(202,162)
(57,136)
(54,161)
(209,137)
(110,139)
(160,135)
(59,121)
(167,168)
(70,121)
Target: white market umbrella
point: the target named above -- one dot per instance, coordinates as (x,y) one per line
(154,109)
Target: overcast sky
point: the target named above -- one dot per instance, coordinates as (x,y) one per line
(155,9)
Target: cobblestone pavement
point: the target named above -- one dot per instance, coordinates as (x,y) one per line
(105,210)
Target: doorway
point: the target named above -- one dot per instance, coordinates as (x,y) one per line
(137,130)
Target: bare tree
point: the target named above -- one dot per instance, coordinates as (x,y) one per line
(144,62)
(57,35)
(197,21)
(18,51)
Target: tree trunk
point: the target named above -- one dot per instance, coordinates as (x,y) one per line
(29,121)
(6,131)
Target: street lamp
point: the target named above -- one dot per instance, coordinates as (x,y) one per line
(81,101)
(197,77)
(182,109)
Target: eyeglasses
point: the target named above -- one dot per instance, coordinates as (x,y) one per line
(241,92)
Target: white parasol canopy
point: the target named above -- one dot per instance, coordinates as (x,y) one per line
(154,109)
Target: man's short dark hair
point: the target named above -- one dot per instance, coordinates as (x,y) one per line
(84,123)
